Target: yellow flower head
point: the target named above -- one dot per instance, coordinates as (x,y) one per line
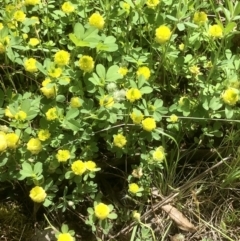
(137,117)
(63,155)
(159,154)
(65,237)
(8,113)
(19,16)
(195,70)
(67,7)
(51,114)
(55,72)
(162,34)
(78,167)
(145,71)
(31,2)
(30,65)
(48,91)
(75,102)
(38,194)
(20,115)
(133,188)
(1,26)
(2,48)
(101,211)
(34,145)
(86,63)
(62,58)
(173,118)
(126,7)
(152,3)
(12,140)
(149,124)
(33,42)
(119,140)
(123,71)
(25,36)
(96,20)
(230,96)
(3,142)
(43,135)
(133,94)
(91,166)
(106,101)
(200,18)
(215,31)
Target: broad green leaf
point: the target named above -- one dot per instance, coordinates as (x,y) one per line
(78,42)
(72,113)
(38,168)
(26,105)
(215,103)
(78,30)
(146,90)
(73,125)
(101,71)
(112,74)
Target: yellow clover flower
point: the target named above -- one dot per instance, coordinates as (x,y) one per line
(20,115)
(86,63)
(106,101)
(133,94)
(43,135)
(47,91)
(123,71)
(38,194)
(30,65)
(65,237)
(90,166)
(126,7)
(33,42)
(159,154)
(119,140)
(200,18)
(78,167)
(145,71)
(133,188)
(19,16)
(101,211)
(55,72)
(8,113)
(63,155)
(51,114)
(61,58)
(152,3)
(12,140)
(195,70)
(181,46)
(162,34)
(96,20)
(34,145)
(3,141)
(67,7)
(136,117)
(173,118)
(31,2)
(230,96)
(149,124)
(75,102)
(215,31)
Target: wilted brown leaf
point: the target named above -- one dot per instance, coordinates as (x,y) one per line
(177,237)
(178,218)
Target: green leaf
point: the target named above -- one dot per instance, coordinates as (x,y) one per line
(72,113)
(112,216)
(64,228)
(230,26)
(228,112)
(215,103)
(27,167)
(38,168)
(172,18)
(101,71)
(26,105)
(78,30)
(78,42)
(60,98)
(146,90)
(112,74)
(73,125)
(181,26)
